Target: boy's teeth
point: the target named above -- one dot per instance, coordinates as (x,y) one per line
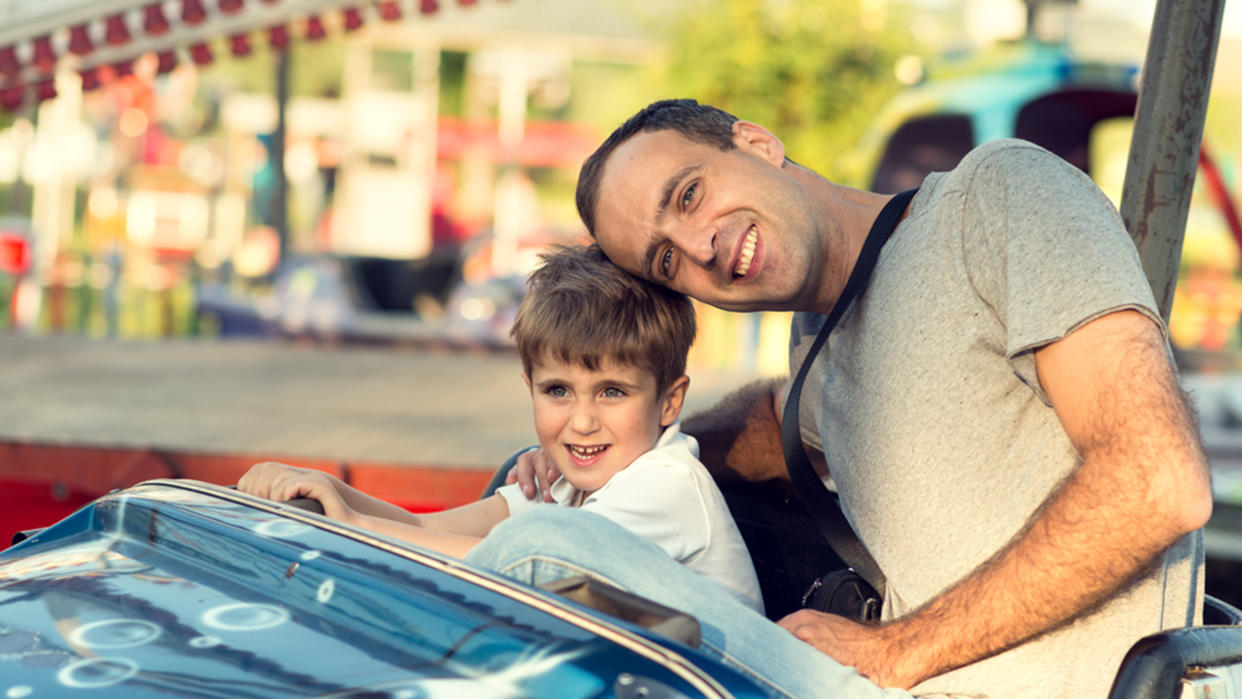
(748,253)
(586,452)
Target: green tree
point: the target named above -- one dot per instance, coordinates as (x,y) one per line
(812,71)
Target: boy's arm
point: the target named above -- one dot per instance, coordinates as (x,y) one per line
(453,532)
(474,519)
(280,482)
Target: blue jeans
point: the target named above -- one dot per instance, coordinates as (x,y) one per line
(549,543)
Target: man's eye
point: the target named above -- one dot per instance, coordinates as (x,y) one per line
(666,262)
(688,195)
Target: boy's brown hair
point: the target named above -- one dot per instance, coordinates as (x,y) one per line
(580,308)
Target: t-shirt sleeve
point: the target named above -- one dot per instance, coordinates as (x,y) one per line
(1046,250)
(517,502)
(659,501)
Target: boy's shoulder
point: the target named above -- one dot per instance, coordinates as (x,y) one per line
(674,449)
(669,470)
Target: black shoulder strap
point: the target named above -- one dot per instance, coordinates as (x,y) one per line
(821,505)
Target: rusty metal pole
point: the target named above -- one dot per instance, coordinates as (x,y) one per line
(1168,126)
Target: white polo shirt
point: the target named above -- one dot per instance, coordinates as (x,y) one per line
(667,496)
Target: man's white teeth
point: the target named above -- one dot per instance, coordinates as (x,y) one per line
(586,452)
(748,253)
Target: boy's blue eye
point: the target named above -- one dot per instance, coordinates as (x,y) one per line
(556,391)
(613,392)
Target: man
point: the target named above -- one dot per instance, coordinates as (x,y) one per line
(998,409)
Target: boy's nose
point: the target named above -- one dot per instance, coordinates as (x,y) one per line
(584,419)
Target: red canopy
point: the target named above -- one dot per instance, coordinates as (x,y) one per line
(14,253)
(36,34)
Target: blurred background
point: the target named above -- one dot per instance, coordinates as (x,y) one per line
(388,172)
(181,178)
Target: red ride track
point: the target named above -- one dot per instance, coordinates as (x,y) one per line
(43,483)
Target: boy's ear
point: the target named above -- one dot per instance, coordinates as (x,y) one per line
(674,397)
(753,138)
(526,378)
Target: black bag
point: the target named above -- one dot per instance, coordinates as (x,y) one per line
(844,593)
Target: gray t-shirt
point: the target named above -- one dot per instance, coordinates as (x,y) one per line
(941,440)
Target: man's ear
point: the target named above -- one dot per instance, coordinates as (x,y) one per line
(753,138)
(674,397)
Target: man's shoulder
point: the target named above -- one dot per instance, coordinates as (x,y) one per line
(1001,148)
(1006,158)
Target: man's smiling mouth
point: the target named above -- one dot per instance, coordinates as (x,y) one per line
(748,252)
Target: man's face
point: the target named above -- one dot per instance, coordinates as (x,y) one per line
(729,228)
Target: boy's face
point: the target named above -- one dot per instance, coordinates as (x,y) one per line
(595,423)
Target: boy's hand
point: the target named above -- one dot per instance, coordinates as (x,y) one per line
(281,482)
(534,472)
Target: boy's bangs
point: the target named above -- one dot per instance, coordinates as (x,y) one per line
(581,309)
(595,353)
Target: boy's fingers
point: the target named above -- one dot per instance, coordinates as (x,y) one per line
(254,482)
(267,479)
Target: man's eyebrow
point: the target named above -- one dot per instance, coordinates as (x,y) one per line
(666,196)
(670,186)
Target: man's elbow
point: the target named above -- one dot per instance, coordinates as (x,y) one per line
(1197,509)
(1188,501)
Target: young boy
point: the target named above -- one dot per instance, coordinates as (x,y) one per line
(604,356)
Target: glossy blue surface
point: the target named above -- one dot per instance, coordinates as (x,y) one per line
(159,590)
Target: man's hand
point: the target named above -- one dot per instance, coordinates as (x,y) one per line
(281,482)
(535,473)
(847,642)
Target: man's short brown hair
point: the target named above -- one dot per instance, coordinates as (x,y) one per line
(580,308)
(698,123)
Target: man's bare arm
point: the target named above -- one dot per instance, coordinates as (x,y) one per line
(740,437)
(1142,483)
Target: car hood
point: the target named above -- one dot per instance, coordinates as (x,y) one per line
(182,588)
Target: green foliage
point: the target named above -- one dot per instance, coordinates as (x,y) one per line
(812,71)
(607,94)
(453,82)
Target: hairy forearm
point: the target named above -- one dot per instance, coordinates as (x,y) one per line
(740,437)
(1142,483)
(1070,559)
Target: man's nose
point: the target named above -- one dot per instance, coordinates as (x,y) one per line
(697,242)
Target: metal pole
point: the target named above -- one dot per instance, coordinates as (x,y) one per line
(280,205)
(1168,126)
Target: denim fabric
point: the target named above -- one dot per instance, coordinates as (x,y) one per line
(550,543)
